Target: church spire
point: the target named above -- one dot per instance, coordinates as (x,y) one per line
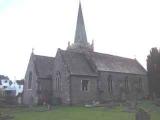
(80,40)
(80,35)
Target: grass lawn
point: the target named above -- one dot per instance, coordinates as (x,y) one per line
(82,113)
(76,113)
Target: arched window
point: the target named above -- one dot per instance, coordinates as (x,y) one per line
(58,81)
(109,84)
(30,80)
(126,83)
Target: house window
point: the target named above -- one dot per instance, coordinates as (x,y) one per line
(110,84)
(85,85)
(4,87)
(30,80)
(126,83)
(10,82)
(140,83)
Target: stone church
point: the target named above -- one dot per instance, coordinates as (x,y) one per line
(80,75)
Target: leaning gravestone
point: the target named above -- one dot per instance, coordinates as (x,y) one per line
(141,114)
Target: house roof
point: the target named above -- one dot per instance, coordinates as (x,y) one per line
(90,62)
(77,63)
(44,66)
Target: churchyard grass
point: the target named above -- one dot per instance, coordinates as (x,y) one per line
(76,113)
(152,109)
(81,113)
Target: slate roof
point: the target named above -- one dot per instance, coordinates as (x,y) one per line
(77,63)
(106,62)
(44,66)
(83,64)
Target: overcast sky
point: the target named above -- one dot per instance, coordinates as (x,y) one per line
(127,28)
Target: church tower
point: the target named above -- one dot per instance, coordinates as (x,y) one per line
(80,40)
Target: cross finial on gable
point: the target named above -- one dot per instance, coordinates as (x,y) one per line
(32,50)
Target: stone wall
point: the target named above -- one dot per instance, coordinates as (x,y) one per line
(63,92)
(83,97)
(30,95)
(118,89)
(44,90)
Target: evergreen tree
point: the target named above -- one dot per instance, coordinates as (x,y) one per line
(153,67)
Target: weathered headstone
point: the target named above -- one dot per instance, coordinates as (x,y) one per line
(130,106)
(141,114)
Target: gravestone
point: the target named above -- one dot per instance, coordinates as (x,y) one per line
(157,101)
(130,106)
(141,114)
(111,104)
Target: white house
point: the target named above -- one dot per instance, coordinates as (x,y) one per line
(11,87)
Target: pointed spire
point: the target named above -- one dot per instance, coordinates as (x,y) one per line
(80,41)
(80,35)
